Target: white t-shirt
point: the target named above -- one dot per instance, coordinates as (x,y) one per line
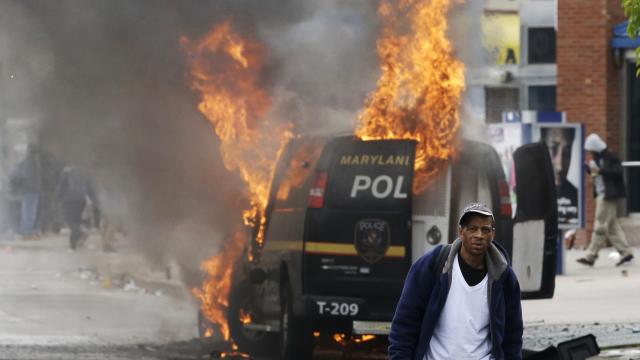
(462,332)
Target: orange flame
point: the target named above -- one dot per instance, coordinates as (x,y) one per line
(245,317)
(340,338)
(214,294)
(226,71)
(364,338)
(344,339)
(419,89)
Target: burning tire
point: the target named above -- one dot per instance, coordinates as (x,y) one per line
(296,340)
(240,311)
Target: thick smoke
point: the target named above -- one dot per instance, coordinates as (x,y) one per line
(110,90)
(467,36)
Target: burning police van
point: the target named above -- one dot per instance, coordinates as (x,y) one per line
(342,227)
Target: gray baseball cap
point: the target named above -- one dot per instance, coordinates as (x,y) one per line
(476,208)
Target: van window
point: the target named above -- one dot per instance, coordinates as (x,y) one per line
(470,183)
(293,187)
(370,175)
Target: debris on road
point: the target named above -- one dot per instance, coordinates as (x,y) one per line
(609,335)
(147,348)
(130,285)
(88,272)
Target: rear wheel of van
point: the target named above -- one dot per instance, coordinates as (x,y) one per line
(296,339)
(252,341)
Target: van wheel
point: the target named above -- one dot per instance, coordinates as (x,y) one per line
(296,339)
(251,341)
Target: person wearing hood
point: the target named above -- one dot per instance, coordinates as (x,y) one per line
(608,186)
(73,190)
(460,301)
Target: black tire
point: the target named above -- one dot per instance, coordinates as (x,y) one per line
(250,341)
(296,339)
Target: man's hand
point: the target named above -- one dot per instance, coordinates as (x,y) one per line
(593,167)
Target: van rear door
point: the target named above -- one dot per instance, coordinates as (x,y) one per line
(535,229)
(358,242)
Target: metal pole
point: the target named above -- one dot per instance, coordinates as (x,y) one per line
(560,253)
(631,163)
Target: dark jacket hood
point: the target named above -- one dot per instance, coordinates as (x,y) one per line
(496,259)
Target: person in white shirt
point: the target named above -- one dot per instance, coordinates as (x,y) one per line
(460,301)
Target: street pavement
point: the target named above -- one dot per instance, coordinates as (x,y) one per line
(125,266)
(602,300)
(50,296)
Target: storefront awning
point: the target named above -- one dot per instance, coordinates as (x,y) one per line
(621,39)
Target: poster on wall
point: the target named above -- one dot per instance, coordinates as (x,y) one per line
(501,37)
(564,141)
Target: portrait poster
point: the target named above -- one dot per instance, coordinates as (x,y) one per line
(564,141)
(501,37)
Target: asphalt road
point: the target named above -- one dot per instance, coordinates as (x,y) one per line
(53,305)
(53,298)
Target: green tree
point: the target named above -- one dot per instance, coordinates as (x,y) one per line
(632,11)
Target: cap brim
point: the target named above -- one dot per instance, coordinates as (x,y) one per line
(487,213)
(481,212)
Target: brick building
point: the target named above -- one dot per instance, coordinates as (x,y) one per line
(596,85)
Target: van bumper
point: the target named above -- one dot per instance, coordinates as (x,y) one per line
(364,316)
(371,327)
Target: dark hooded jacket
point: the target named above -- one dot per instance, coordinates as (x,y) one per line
(424,296)
(612,176)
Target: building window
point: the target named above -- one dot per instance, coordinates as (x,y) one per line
(499,100)
(542,98)
(541,45)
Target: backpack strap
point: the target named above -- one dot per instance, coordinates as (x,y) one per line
(442,258)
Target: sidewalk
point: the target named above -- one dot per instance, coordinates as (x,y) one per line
(603,300)
(121,269)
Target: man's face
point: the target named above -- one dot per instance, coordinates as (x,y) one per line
(560,151)
(476,234)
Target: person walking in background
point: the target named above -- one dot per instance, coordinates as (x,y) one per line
(110,221)
(608,186)
(460,301)
(49,214)
(73,190)
(26,181)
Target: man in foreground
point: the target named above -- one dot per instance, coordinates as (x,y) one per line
(460,301)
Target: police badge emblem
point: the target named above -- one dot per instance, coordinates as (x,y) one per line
(372,237)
